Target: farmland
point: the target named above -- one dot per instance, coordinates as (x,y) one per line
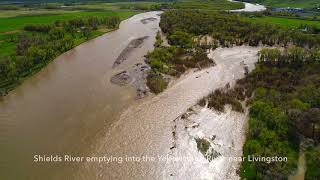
(285,21)
(288,3)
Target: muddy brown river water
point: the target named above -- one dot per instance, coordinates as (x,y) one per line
(70,104)
(71,108)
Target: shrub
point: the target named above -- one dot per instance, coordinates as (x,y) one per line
(156,83)
(219,98)
(38,28)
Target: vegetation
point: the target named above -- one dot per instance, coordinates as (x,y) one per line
(156,82)
(173,60)
(40,44)
(221,97)
(285,107)
(19,22)
(313,166)
(207,5)
(229,29)
(287,3)
(296,23)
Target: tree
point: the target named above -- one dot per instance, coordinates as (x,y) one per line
(93,22)
(180,39)
(313,165)
(56,34)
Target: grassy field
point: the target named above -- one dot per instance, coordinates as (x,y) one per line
(289,3)
(18,22)
(207,4)
(293,3)
(59,8)
(285,22)
(9,27)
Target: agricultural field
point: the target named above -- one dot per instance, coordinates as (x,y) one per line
(10,27)
(308,4)
(18,22)
(207,5)
(285,21)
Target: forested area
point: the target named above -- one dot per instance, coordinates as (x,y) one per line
(283,111)
(282,93)
(229,29)
(39,44)
(174,60)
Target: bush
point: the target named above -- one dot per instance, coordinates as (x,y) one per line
(156,83)
(313,165)
(219,98)
(38,28)
(181,39)
(297,104)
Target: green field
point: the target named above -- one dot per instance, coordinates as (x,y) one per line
(285,22)
(10,26)
(293,3)
(288,3)
(207,5)
(16,23)
(59,8)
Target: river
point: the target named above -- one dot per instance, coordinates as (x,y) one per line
(145,131)
(70,107)
(70,104)
(249,7)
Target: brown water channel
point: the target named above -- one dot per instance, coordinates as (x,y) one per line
(69,104)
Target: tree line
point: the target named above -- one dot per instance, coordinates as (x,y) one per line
(41,43)
(232,29)
(293,55)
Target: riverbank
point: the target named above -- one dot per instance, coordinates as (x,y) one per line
(31,54)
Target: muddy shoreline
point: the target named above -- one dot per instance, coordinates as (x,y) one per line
(134,76)
(133,44)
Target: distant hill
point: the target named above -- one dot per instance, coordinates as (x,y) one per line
(288,3)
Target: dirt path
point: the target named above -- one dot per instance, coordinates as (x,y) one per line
(146,129)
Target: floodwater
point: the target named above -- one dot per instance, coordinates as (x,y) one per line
(70,104)
(140,143)
(249,7)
